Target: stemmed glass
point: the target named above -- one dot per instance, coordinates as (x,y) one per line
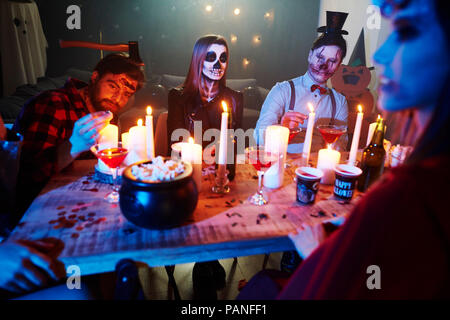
(261,160)
(331,133)
(113,158)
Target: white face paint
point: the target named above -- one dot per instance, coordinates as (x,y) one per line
(215,64)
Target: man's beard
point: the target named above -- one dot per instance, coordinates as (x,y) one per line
(101,104)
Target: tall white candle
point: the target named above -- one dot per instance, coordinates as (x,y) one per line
(192,153)
(327,161)
(109,137)
(276,141)
(356,135)
(137,143)
(308,136)
(372,128)
(149,138)
(223,135)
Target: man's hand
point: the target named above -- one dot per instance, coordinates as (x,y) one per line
(86,131)
(308,238)
(291,119)
(25,269)
(2,129)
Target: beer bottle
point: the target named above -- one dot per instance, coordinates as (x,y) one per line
(373,157)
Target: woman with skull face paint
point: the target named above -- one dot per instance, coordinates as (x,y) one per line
(396,242)
(199,99)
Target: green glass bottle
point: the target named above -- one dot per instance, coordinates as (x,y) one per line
(373,157)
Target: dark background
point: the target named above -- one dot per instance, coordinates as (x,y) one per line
(167,30)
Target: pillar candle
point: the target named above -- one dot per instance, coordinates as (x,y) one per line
(356,135)
(327,161)
(276,141)
(192,153)
(137,144)
(223,135)
(308,136)
(125,137)
(109,137)
(149,138)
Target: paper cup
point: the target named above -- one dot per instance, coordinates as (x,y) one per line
(308,180)
(345,182)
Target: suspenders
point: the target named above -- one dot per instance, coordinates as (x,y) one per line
(333,102)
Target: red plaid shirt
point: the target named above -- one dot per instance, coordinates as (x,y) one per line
(45,122)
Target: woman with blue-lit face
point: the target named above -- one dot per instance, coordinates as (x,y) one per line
(413,62)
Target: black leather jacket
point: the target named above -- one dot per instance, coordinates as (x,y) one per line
(184,110)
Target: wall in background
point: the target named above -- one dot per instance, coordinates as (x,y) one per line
(273,36)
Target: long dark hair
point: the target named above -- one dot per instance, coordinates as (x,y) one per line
(193,80)
(435,140)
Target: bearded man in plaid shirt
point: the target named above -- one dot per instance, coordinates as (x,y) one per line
(59,125)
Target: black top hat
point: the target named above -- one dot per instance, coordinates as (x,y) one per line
(335,22)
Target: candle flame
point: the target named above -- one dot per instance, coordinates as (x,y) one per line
(310,107)
(329,147)
(359,108)
(224,106)
(149,110)
(191,140)
(139,123)
(379,117)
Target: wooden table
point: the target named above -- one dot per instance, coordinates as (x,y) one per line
(96,235)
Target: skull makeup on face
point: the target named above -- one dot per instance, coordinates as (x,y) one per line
(215,64)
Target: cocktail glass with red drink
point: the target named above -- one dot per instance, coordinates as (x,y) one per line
(331,133)
(261,160)
(113,158)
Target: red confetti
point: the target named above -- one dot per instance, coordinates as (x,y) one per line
(52,221)
(79,228)
(86,182)
(75,210)
(60,207)
(80,203)
(72,216)
(61,213)
(91,214)
(75,235)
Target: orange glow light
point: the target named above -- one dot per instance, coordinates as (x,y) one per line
(310,107)
(149,110)
(359,108)
(224,106)
(139,123)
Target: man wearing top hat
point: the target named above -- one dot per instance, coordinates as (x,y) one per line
(287,102)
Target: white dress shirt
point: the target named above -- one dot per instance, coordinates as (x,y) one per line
(277,103)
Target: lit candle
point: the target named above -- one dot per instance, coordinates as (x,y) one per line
(223,135)
(276,141)
(372,128)
(109,137)
(125,137)
(192,153)
(327,161)
(150,139)
(137,143)
(308,136)
(356,134)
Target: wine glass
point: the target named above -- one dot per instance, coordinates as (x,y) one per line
(330,132)
(261,160)
(293,132)
(113,158)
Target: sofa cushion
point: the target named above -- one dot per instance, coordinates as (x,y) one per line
(170,81)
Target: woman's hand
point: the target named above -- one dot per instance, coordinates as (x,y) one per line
(308,238)
(26,269)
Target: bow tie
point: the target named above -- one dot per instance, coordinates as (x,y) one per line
(322,90)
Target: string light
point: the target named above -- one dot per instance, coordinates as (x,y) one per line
(233,38)
(208,8)
(237,11)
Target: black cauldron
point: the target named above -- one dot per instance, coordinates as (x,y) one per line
(158,205)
